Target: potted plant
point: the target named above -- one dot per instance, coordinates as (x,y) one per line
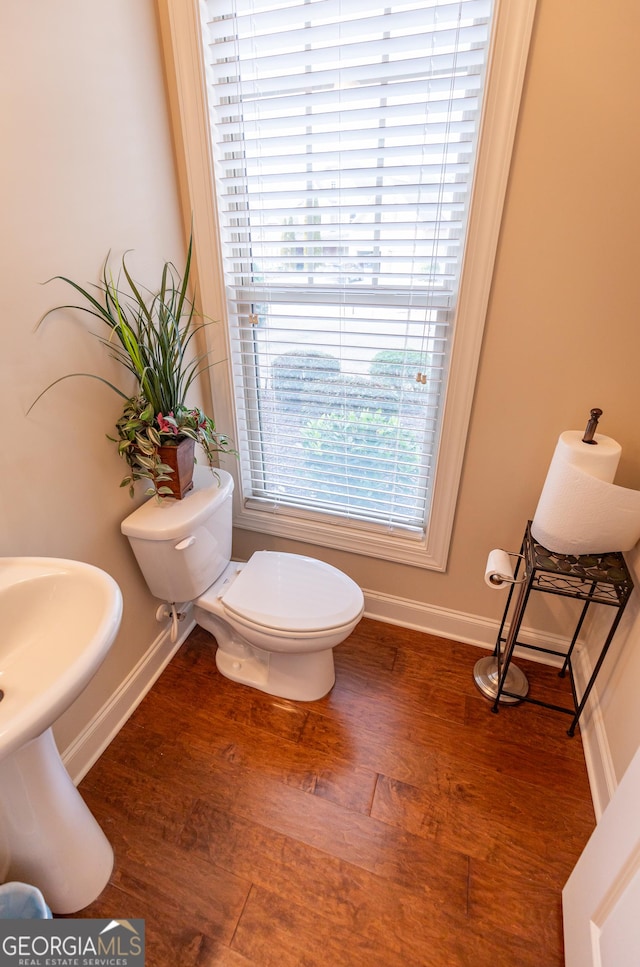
(151,335)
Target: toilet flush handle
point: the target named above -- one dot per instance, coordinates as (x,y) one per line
(187,542)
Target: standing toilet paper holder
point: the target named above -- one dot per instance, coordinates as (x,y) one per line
(488,671)
(595,579)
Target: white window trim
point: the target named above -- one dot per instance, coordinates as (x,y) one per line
(180,32)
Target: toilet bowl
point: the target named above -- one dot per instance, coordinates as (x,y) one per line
(276,618)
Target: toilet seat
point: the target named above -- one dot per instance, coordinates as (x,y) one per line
(292,594)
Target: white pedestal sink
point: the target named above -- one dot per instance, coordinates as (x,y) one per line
(58,619)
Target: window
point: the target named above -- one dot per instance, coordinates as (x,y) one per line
(345,143)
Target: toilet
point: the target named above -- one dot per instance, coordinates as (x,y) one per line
(276,619)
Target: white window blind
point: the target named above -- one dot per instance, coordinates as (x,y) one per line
(344,145)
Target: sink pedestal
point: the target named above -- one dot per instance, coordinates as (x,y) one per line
(48,836)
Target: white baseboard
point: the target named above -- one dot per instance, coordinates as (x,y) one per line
(471,629)
(457,625)
(89,745)
(597,752)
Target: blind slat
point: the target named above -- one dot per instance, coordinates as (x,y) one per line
(229,18)
(410,72)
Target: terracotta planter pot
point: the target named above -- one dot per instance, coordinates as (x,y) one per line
(181,459)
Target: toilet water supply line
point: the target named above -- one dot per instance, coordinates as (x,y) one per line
(170,611)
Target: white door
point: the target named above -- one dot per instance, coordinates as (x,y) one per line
(601,899)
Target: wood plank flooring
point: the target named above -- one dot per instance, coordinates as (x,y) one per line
(395,823)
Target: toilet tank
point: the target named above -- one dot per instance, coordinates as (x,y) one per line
(182,546)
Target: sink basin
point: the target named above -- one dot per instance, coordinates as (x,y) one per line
(58,620)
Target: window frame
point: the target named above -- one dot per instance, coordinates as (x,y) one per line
(186,86)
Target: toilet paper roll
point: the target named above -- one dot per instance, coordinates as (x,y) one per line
(499,570)
(581,510)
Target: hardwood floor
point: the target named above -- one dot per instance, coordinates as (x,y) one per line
(395,823)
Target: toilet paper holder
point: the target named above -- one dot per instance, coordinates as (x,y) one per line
(499,580)
(497,683)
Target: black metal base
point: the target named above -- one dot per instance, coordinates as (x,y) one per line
(590,578)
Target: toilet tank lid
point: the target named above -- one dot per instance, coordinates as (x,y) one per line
(168,519)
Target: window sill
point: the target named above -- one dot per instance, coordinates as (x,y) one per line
(399,545)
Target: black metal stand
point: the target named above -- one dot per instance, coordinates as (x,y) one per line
(594,579)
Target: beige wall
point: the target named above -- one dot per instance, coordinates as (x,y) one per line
(86,165)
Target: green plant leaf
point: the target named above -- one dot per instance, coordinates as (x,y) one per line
(72,376)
